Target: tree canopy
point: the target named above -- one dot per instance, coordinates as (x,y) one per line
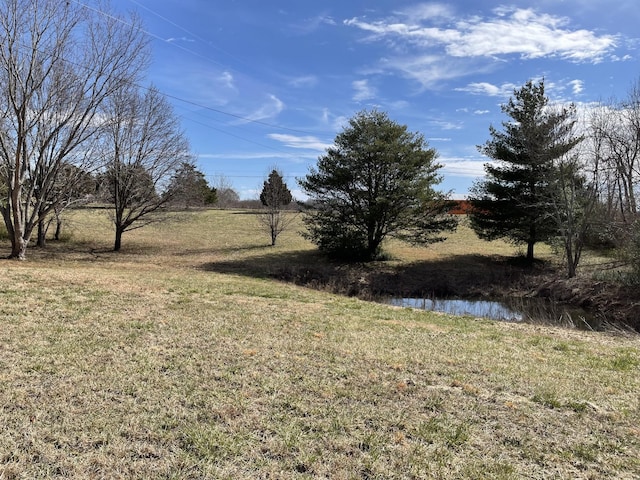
(512,201)
(275,193)
(376,181)
(190,188)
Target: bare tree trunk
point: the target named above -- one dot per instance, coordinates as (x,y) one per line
(42,233)
(58,228)
(117,245)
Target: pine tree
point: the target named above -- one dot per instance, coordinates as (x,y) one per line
(512,201)
(275,193)
(377,181)
(274,196)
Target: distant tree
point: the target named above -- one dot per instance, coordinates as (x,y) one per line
(274,197)
(74,186)
(59,62)
(226,196)
(146,148)
(511,202)
(573,201)
(375,182)
(191,188)
(275,193)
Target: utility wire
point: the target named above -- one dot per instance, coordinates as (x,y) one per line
(190,102)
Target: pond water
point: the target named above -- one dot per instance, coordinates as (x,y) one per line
(532,310)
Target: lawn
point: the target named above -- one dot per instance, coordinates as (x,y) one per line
(181,357)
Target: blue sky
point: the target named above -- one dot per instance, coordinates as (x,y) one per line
(262,84)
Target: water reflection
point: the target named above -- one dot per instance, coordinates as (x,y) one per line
(515,310)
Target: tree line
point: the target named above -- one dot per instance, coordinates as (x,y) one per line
(76,120)
(72,105)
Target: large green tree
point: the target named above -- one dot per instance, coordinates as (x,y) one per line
(375,182)
(512,201)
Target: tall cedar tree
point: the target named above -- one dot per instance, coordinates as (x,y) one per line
(512,201)
(274,196)
(375,182)
(275,193)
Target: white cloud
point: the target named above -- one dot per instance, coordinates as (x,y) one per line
(227,80)
(310,25)
(427,51)
(429,11)
(444,125)
(484,88)
(429,70)
(481,112)
(179,39)
(462,167)
(363,90)
(304,81)
(577,86)
(308,142)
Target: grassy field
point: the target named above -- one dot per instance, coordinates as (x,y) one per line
(180,358)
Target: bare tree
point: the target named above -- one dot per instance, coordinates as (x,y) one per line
(74,186)
(226,196)
(59,61)
(146,148)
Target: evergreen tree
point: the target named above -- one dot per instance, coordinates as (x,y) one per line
(375,182)
(189,187)
(512,201)
(275,193)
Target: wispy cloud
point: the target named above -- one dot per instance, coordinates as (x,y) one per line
(577,86)
(446,125)
(488,89)
(462,167)
(226,78)
(433,12)
(308,142)
(430,43)
(270,109)
(179,39)
(303,81)
(312,24)
(363,91)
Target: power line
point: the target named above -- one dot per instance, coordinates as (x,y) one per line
(190,102)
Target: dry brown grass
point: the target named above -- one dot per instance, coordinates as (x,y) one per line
(171,360)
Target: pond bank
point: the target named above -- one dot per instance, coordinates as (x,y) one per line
(474,277)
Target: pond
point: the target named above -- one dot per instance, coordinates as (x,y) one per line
(533,310)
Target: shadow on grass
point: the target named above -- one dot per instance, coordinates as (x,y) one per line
(455,276)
